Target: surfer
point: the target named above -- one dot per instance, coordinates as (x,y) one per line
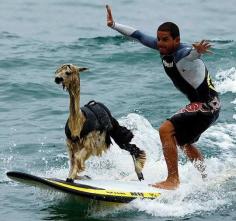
(183,64)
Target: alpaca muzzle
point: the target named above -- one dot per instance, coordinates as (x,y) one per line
(58,80)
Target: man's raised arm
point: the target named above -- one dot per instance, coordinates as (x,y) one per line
(146,40)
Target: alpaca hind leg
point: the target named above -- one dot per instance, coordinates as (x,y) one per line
(139,161)
(70,162)
(139,158)
(123,136)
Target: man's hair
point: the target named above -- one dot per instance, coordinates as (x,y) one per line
(170,27)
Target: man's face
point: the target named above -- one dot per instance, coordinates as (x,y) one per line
(165,42)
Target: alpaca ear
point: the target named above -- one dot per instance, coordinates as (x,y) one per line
(82,69)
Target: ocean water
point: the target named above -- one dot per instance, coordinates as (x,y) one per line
(38,36)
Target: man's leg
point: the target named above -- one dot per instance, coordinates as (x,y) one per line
(170,152)
(195,156)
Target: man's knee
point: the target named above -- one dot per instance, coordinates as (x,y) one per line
(166,129)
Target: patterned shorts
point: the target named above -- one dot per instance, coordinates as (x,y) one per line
(191,121)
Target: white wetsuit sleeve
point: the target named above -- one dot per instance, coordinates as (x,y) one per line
(123,29)
(146,40)
(193,55)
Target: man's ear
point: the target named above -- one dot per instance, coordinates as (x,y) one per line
(82,69)
(177,40)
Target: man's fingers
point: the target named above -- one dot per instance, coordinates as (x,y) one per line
(209,51)
(205,43)
(202,41)
(195,45)
(109,16)
(109,11)
(202,47)
(107,7)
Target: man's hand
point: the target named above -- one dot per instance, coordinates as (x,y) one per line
(110,20)
(202,47)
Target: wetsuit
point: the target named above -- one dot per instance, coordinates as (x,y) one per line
(189,75)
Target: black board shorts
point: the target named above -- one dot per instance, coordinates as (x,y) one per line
(191,121)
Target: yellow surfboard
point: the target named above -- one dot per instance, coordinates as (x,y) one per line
(100,190)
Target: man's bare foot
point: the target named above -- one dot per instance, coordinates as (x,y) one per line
(168,184)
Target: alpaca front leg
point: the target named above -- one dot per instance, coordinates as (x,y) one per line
(80,158)
(72,160)
(73,169)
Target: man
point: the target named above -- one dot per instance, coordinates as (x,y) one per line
(189,74)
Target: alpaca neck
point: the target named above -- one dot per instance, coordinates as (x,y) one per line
(75,116)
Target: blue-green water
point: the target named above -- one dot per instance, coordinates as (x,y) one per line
(38,36)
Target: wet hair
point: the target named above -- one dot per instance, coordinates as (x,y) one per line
(170,27)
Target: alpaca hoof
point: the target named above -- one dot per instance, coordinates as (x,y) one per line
(139,162)
(140,176)
(85,177)
(69,180)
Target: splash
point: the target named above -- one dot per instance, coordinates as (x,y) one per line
(226,81)
(234,102)
(195,196)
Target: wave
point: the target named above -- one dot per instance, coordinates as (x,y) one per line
(28,91)
(226,85)
(226,81)
(104,40)
(8,35)
(194,197)
(119,39)
(123,38)
(222,41)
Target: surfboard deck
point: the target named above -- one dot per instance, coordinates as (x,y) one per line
(100,190)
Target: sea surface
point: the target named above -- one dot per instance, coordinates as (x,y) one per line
(36,37)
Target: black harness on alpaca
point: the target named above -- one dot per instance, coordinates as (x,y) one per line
(99,118)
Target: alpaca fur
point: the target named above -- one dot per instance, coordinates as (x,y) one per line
(94,143)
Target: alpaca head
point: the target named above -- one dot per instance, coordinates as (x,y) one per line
(69,76)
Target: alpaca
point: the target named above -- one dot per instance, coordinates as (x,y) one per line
(89,129)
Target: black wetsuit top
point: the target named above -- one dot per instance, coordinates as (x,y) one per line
(184,67)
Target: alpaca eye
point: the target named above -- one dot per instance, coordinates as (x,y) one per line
(68,73)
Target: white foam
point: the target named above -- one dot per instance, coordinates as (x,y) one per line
(194,195)
(226,81)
